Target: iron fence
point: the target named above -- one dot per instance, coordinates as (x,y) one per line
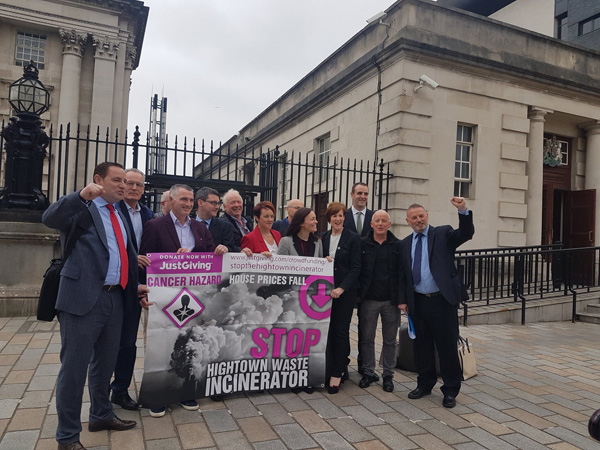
(521,274)
(258,174)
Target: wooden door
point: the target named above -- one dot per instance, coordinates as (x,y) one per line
(580,223)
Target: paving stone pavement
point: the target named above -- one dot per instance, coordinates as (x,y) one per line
(537,386)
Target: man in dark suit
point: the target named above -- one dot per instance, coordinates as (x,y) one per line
(359,217)
(177,232)
(208,202)
(234,206)
(97,280)
(431,291)
(282,225)
(136,215)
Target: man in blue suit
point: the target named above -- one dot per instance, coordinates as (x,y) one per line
(136,215)
(97,279)
(431,291)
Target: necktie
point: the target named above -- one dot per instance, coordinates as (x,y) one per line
(205,223)
(359,222)
(416,268)
(122,250)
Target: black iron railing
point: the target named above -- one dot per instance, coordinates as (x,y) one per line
(264,174)
(520,274)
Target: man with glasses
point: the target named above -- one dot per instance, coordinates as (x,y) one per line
(208,202)
(292,206)
(136,215)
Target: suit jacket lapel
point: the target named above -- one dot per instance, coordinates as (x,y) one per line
(127,221)
(430,241)
(194,225)
(172,232)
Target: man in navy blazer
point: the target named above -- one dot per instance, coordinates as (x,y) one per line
(208,202)
(233,206)
(91,300)
(136,215)
(431,291)
(359,211)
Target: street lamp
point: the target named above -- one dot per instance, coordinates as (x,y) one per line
(25,143)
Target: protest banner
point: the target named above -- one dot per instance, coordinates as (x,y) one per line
(232,323)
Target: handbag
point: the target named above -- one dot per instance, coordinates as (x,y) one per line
(466,356)
(46,310)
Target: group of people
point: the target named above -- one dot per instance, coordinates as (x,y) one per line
(99,310)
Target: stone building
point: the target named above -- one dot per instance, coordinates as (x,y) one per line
(85,50)
(513,123)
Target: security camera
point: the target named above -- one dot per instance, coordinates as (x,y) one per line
(377,17)
(424,80)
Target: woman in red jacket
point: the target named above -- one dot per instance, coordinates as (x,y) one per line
(262,239)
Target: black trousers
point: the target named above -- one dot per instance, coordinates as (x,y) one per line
(436,325)
(338,338)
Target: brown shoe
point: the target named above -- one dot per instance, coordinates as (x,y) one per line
(72,446)
(115,424)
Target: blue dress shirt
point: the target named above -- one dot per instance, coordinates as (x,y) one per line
(427,284)
(113,276)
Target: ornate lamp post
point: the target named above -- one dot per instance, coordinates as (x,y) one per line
(25,143)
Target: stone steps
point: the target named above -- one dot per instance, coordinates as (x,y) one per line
(554,309)
(591,314)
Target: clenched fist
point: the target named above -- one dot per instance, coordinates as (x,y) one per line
(459,203)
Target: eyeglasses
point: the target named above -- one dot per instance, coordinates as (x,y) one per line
(132,183)
(213,202)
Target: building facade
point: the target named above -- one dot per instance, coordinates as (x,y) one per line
(85,51)
(513,123)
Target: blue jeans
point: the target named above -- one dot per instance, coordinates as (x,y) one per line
(370,310)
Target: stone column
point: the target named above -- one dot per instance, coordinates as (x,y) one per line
(592,163)
(73,43)
(535,175)
(129,66)
(105,57)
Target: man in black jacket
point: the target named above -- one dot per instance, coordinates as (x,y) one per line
(379,297)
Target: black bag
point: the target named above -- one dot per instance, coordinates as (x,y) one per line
(46,310)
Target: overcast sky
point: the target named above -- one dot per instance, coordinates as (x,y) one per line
(220,63)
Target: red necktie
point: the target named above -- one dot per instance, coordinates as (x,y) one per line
(121,242)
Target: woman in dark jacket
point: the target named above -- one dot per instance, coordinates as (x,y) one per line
(344,247)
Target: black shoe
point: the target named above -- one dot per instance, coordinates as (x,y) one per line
(366,380)
(418,393)
(124,401)
(333,389)
(449,401)
(216,398)
(72,446)
(115,424)
(308,389)
(388,384)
